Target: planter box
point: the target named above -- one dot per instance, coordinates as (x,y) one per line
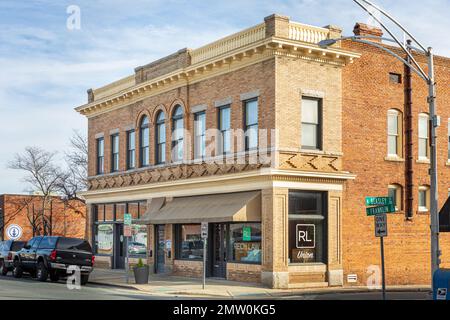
(141,274)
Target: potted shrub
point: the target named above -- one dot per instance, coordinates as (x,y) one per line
(141,272)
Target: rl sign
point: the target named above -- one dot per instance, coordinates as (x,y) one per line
(306,236)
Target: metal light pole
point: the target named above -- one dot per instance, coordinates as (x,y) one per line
(434,119)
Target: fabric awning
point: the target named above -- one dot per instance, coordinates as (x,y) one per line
(230,207)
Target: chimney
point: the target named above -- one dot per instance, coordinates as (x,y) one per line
(362,29)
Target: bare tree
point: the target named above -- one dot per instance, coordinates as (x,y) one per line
(42,175)
(77,163)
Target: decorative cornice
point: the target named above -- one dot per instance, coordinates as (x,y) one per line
(228,62)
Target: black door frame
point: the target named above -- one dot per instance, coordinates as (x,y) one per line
(156,248)
(223,234)
(119,247)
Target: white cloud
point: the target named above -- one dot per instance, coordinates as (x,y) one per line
(46,69)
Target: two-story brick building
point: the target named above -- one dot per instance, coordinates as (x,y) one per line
(261,134)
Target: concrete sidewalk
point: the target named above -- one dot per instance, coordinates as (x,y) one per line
(170,286)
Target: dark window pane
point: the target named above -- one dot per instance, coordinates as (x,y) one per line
(190,243)
(17,245)
(48,243)
(74,244)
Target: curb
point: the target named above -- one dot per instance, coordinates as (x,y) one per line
(266,294)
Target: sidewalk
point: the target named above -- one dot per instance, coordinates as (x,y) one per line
(170,286)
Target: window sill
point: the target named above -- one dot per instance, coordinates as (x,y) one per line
(394,159)
(423,211)
(448,164)
(423,161)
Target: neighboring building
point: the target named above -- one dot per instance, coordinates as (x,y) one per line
(286,206)
(61,218)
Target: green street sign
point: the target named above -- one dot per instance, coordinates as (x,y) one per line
(379,201)
(246,234)
(127,219)
(380,210)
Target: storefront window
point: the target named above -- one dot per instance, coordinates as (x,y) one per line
(307,227)
(133,209)
(245,242)
(109,212)
(142,208)
(138,243)
(120,211)
(189,242)
(99,212)
(104,239)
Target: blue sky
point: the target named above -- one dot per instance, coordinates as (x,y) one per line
(46,68)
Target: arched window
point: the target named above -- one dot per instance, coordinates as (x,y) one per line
(160,138)
(395,141)
(144,142)
(177,134)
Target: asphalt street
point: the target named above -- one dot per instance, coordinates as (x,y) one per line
(31,289)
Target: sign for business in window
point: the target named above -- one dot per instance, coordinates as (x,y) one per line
(306,236)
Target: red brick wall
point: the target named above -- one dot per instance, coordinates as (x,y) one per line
(68,220)
(367,97)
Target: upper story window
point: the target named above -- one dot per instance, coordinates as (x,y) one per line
(100,156)
(200,135)
(394,133)
(144,141)
(224,141)
(160,138)
(395,78)
(311,123)
(251,124)
(115,153)
(131,149)
(177,134)
(395,191)
(424,198)
(423,136)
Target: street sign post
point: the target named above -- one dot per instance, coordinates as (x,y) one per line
(127,221)
(381,225)
(379,207)
(205,242)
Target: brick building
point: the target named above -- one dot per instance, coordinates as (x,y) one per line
(272,141)
(63,218)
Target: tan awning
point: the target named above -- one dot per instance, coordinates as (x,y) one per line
(230,207)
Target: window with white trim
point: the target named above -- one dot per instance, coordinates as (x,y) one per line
(311,123)
(395,191)
(423,136)
(424,198)
(394,131)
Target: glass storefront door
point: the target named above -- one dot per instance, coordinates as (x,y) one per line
(160,249)
(218,250)
(119,247)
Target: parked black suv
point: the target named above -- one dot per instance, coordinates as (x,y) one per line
(45,257)
(8,249)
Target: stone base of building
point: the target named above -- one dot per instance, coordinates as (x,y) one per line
(275,280)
